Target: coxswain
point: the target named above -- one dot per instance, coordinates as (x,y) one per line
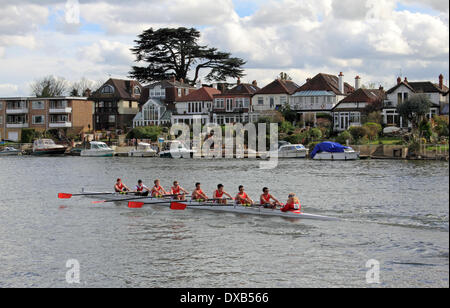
(120,187)
(198,194)
(178,192)
(158,191)
(141,189)
(242,197)
(266,199)
(219,195)
(292,205)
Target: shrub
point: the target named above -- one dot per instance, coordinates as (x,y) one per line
(28,134)
(373,130)
(441,126)
(425,130)
(358,132)
(375,117)
(148,132)
(286,127)
(343,137)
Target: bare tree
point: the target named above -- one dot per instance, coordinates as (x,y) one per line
(78,88)
(49,86)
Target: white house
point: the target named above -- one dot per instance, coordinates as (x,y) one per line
(404,90)
(273,96)
(195,107)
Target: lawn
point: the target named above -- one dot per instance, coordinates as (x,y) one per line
(388,141)
(439,148)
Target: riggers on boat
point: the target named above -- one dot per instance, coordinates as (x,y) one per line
(208,206)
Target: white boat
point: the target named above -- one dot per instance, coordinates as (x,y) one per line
(142,150)
(237,209)
(10,151)
(290,151)
(175,149)
(47,147)
(97,149)
(333,151)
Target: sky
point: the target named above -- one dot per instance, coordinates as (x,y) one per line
(378,40)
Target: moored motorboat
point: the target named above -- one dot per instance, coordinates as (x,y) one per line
(10,151)
(142,150)
(208,206)
(97,149)
(333,151)
(175,149)
(290,151)
(47,147)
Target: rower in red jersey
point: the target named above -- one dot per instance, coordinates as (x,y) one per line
(219,194)
(120,187)
(242,197)
(178,192)
(158,191)
(266,198)
(141,189)
(198,194)
(292,205)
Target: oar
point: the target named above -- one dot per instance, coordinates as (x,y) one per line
(68,196)
(139,205)
(177,206)
(134,198)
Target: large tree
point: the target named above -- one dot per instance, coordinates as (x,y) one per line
(414,109)
(49,86)
(176,52)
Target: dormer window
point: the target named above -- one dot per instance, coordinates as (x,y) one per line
(108,89)
(137,91)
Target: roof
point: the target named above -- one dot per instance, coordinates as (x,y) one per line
(364,95)
(326,82)
(420,87)
(200,95)
(313,93)
(241,89)
(279,86)
(123,89)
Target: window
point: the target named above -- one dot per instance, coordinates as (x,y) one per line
(108,89)
(130,104)
(272,102)
(1,105)
(179,92)
(112,119)
(38,105)
(38,120)
(1,120)
(283,100)
(101,104)
(355,118)
(186,91)
(260,100)
(137,91)
(220,103)
(399,98)
(246,102)
(405,96)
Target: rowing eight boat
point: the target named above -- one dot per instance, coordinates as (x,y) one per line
(234,208)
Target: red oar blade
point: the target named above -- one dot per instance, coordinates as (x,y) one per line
(135,205)
(64,196)
(98,202)
(176,206)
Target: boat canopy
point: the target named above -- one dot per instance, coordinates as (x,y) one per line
(331,147)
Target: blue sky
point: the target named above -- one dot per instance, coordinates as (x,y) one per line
(373,39)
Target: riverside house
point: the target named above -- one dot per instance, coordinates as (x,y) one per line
(158,102)
(234,106)
(273,96)
(351,110)
(72,114)
(196,107)
(319,95)
(116,104)
(406,89)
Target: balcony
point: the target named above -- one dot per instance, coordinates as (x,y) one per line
(60,110)
(60,125)
(21,110)
(16,125)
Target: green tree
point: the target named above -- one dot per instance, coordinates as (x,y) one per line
(414,109)
(175,52)
(289,114)
(285,76)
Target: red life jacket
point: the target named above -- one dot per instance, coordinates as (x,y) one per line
(292,207)
(139,188)
(219,194)
(157,191)
(120,186)
(266,199)
(176,191)
(243,197)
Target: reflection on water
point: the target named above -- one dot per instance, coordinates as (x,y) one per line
(392,211)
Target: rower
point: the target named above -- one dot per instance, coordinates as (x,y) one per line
(292,205)
(120,187)
(141,189)
(158,191)
(266,198)
(219,194)
(242,197)
(178,192)
(198,194)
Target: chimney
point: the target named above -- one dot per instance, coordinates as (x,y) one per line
(254,83)
(87,93)
(341,82)
(239,80)
(441,81)
(357,82)
(181,80)
(198,85)
(399,80)
(406,79)
(173,78)
(381,88)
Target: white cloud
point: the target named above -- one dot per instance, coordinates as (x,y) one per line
(8,90)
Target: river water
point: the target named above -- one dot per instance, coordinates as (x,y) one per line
(394,212)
